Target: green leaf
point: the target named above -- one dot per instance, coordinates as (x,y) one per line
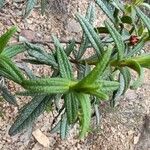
(8,96)
(2,2)
(107,9)
(126,19)
(91,34)
(9,70)
(70,47)
(138,47)
(133,64)
(97,114)
(108,86)
(27,71)
(105,87)
(43,6)
(99,94)
(6,37)
(146,5)
(13,50)
(48,85)
(90,15)
(40,56)
(85,113)
(83,70)
(97,71)
(64,127)
(137,2)
(56,128)
(29,6)
(63,62)
(143,60)
(144,18)
(119,91)
(29,113)
(71,104)
(126,78)
(117,39)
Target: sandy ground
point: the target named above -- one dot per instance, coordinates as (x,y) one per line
(125,127)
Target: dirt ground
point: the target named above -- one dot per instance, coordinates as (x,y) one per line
(126,127)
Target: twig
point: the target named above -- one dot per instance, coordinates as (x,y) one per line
(51,42)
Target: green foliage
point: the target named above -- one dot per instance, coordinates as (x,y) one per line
(29,113)
(91,34)
(77,83)
(5,93)
(117,39)
(5,38)
(2,2)
(29,6)
(85,116)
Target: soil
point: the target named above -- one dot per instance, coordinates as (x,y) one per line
(125,127)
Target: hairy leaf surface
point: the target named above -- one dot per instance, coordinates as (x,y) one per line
(6,37)
(29,113)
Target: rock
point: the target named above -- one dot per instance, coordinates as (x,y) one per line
(131,95)
(37,146)
(28,34)
(73,26)
(41,138)
(136,139)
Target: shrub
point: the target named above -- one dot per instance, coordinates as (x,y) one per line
(117,50)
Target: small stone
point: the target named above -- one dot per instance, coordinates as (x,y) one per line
(41,138)
(73,26)
(131,95)
(28,34)
(37,146)
(136,139)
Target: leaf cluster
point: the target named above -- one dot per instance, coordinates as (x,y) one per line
(104,75)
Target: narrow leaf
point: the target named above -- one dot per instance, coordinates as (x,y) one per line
(64,64)
(71,105)
(6,37)
(117,39)
(126,78)
(29,113)
(70,47)
(85,113)
(40,56)
(99,94)
(29,6)
(119,91)
(43,6)
(136,49)
(91,34)
(97,71)
(90,15)
(2,3)
(108,86)
(48,86)
(8,96)
(135,66)
(143,60)
(144,18)
(107,9)
(64,127)
(9,69)
(13,50)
